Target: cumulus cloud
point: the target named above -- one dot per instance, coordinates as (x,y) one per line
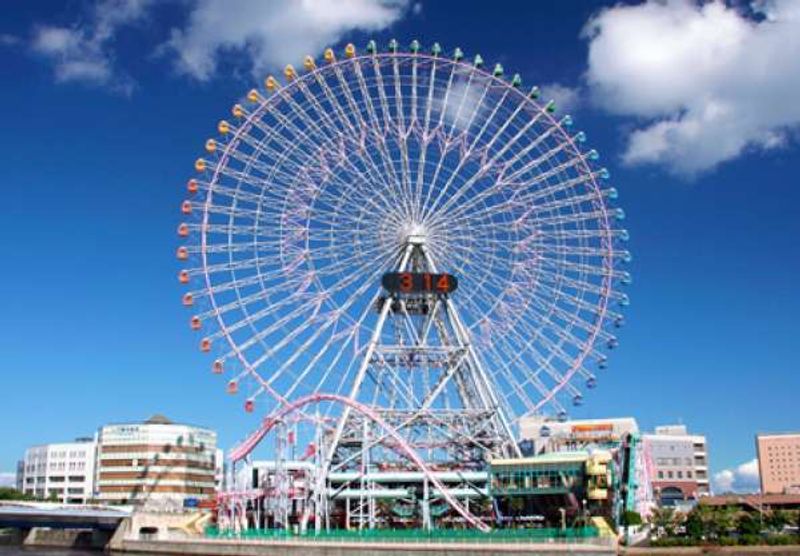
(7,479)
(272,34)
(743,478)
(83,52)
(566,98)
(707,81)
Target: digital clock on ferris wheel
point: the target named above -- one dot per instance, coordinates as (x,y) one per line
(419,282)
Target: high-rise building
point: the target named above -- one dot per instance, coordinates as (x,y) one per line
(63,472)
(680,465)
(779,462)
(156,462)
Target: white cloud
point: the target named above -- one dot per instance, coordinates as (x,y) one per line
(706,81)
(566,98)
(743,478)
(463,107)
(83,52)
(8,479)
(9,40)
(272,34)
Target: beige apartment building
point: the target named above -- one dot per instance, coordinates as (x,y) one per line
(155,462)
(779,462)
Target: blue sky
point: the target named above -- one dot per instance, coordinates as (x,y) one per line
(107,104)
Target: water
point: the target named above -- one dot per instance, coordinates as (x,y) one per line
(19,551)
(39,551)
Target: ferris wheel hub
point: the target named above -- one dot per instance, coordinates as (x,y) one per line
(415,234)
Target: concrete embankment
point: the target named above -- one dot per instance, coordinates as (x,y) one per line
(55,538)
(151,534)
(793,550)
(215,547)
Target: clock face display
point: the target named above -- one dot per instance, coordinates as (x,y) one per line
(419,282)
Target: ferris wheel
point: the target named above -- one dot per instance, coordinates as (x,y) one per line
(390,225)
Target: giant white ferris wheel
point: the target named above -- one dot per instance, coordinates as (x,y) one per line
(405,238)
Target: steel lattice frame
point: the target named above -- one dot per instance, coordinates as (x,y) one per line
(311,192)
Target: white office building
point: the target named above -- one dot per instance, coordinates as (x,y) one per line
(680,465)
(63,472)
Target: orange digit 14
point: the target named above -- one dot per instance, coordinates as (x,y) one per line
(443,283)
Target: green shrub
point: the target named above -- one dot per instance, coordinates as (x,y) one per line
(631,518)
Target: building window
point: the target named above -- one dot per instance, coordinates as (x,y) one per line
(669,474)
(680,474)
(688,474)
(660,474)
(671,496)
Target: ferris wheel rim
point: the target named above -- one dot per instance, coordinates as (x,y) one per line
(608,239)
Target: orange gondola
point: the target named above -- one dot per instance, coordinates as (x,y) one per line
(188,300)
(183,277)
(182,253)
(186,207)
(183,230)
(205,345)
(217,367)
(233,387)
(196,323)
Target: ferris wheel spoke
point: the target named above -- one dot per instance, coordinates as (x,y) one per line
(486,165)
(525,345)
(504,364)
(378,132)
(426,138)
(500,183)
(443,191)
(326,171)
(401,137)
(523,202)
(374,173)
(529,205)
(389,127)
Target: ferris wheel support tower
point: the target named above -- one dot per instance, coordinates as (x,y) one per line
(428,337)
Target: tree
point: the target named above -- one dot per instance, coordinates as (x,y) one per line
(695,527)
(777,519)
(723,520)
(663,520)
(8,493)
(748,524)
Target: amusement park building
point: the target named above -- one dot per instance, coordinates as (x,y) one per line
(63,471)
(680,464)
(550,435)
(156,462)
(619,435)
(779,463)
